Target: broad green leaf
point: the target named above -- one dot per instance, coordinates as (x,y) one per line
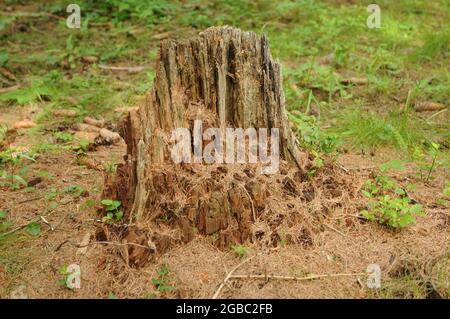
(34,229)
(107,202)
(366,193)
(119,215)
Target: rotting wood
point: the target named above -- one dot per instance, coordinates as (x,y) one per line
(226,78)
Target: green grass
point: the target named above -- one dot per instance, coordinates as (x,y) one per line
(370,130)
(407,57)
(404,287)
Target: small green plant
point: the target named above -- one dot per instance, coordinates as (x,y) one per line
(445,199)
(161,282)
(317,141)
(389,204)
(83,146)
(74,189)
(395,212)
(392,165)
(310,134)
(427,161)
(88,204)
(44,174)
(239,250)
(63,137)
(110,168)
(112,295)
(51,194)
(12,181)
(64,273)
(447,189)
(34,229)
(113,214)
(15,156)
(13,172)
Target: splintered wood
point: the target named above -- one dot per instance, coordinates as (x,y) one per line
(224,78)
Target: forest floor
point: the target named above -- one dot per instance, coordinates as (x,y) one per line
(361,93)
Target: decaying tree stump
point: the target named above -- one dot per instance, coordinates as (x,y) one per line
(226,78)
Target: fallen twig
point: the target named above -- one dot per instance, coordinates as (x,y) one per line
(349,215)
(357,168)
(336,230)
(312,277)
(162,36)
(33,15)
(224,282)
(343,168)
(34,220)
(129,69)
(436,114)
(67,241)
(13,230)
(413,200)
(47,223)
(30,199)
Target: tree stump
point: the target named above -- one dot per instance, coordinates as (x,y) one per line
(226,78)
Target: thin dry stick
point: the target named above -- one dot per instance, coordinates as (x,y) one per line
(294,277)
(33,15)
(436,114)
(47,223)
(30,199)
(348,215)
(36,219)
(129,69)
(99,242)
(362,168)
(334,229)
(224,282)
(343,168)
(13,230)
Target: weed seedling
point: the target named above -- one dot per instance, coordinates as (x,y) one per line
(83,146)
(63,137)
(161,282)
(74,189)
(64,273)
(34,229)
(113,214)
(389,204)
(110,168)
(239,250)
